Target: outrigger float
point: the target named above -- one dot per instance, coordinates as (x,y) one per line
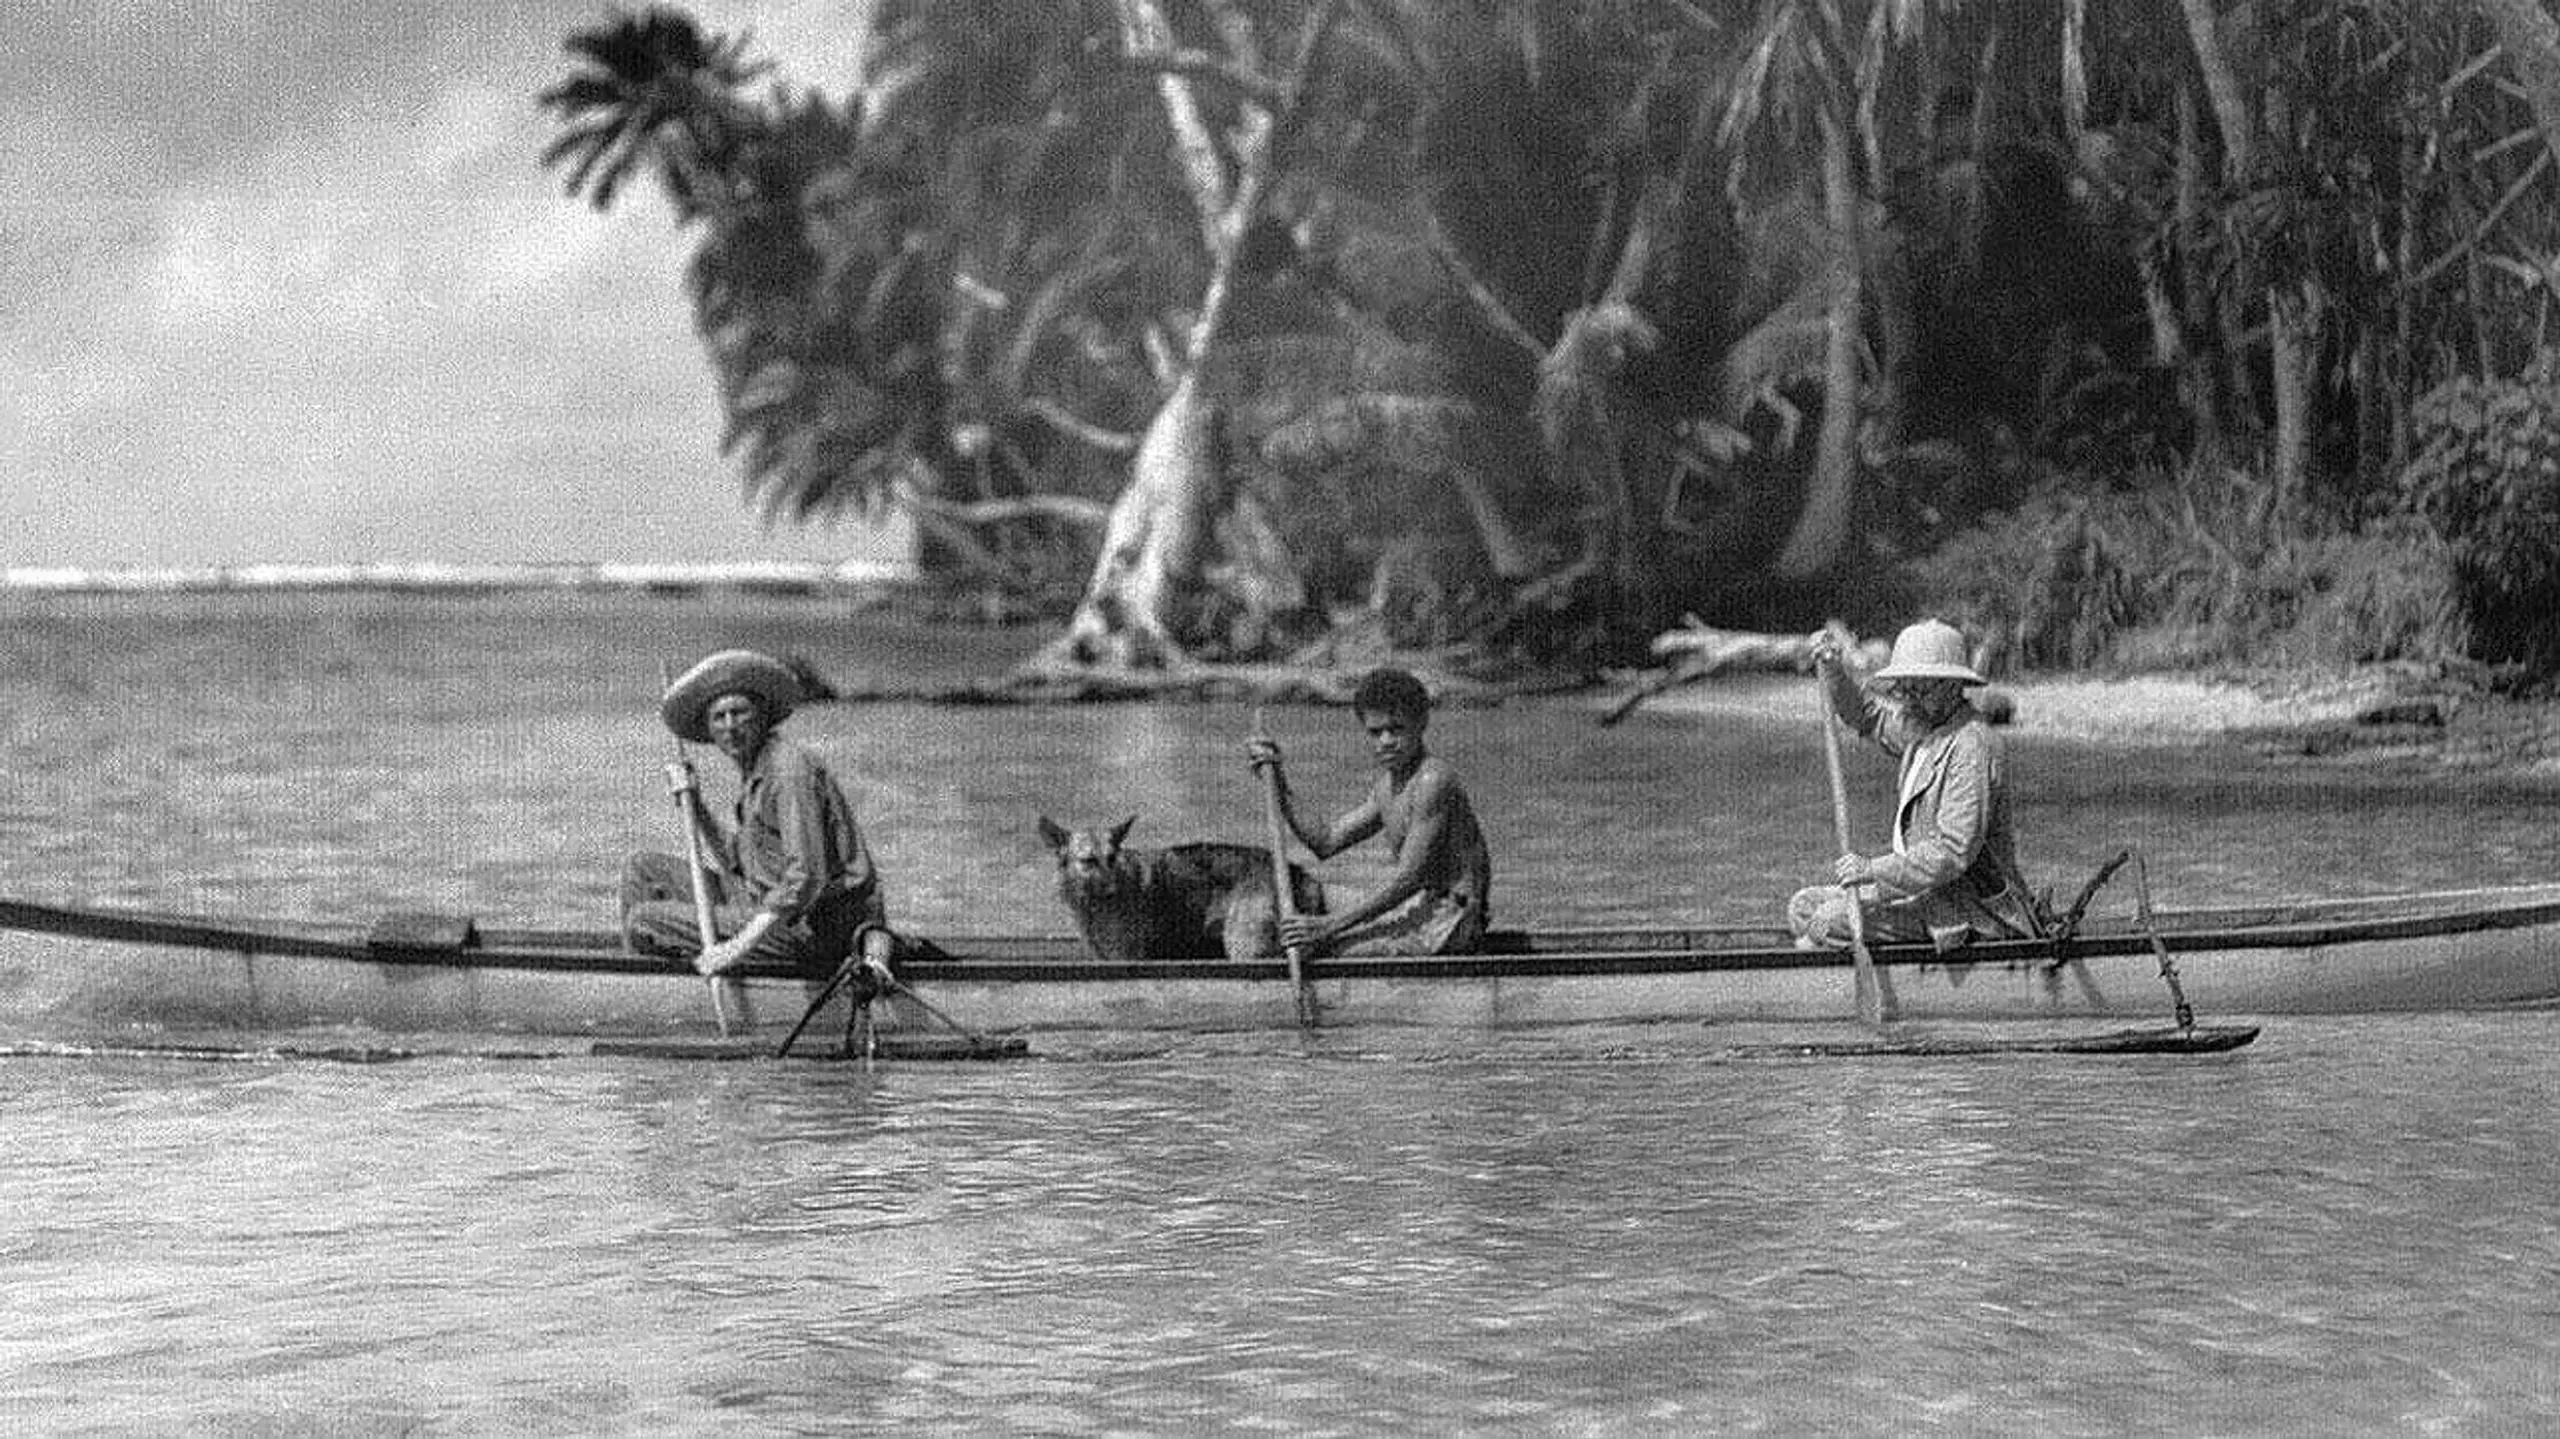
(84,976)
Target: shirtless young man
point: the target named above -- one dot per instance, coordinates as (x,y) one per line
(1436,901)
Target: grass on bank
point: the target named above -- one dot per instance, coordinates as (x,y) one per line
(2454,566)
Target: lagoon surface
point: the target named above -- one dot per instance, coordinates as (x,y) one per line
(2348,1227)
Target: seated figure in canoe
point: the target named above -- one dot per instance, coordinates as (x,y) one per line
(1436,901)
(790,879)
(1952,875)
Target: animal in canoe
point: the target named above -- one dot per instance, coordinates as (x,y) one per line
(1179,901)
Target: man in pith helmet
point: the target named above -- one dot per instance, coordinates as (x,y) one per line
(1952,875)
(790,879)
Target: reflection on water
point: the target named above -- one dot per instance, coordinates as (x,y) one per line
(2345,1227)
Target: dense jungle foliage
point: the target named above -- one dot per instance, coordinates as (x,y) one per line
(2124,332)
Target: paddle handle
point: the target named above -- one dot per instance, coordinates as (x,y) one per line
(1870,996)
(1284,897)
(695,859)
(696,862)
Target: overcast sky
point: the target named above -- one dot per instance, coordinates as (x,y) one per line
(285,282)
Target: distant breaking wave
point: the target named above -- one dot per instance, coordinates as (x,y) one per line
(790,576)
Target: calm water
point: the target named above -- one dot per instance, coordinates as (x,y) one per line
(2347,1227)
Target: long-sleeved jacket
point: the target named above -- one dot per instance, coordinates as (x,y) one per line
(1951,837)
(796,845)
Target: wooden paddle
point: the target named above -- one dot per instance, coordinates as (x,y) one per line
(1870,996)
(1284,896)
(2185,1013)
(694,861)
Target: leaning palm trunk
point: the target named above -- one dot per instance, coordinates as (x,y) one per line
(1822,527)
(2292,329)
(1158,531)
(1153,541)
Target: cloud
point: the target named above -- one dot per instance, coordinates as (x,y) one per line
(301,291)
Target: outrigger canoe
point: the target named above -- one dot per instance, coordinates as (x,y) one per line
(79,974)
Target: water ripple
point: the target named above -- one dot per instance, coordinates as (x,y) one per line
(2346,1228)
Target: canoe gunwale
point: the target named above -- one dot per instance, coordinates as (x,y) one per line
(1062,959)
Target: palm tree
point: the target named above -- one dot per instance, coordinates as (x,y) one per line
(652,87)
(1830,71)
(1564,157)
(824,275)
(822,349)
(1160,527)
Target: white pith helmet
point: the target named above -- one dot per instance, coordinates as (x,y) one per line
(1930,650)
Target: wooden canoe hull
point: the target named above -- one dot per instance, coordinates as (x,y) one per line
(79,973)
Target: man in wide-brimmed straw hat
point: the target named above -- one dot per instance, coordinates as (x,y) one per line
(1952,874)
(791,880)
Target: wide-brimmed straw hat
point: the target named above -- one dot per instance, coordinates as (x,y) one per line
(1930,650)
(730,672)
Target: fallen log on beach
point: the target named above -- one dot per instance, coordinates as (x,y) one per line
(1698,649)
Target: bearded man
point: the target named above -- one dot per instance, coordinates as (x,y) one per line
(1952,875)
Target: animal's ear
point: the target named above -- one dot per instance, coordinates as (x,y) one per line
(1053,836)
(1120,831)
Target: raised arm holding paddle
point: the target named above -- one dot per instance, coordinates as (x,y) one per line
(1436,899)
(1284,897)
(1952,874)
(1868,994)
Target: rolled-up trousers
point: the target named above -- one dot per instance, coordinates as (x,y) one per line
(658,918)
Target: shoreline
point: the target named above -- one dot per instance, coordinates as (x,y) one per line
(2368,716)
(412,577)
(2382,714)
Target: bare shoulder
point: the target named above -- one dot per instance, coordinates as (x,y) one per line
(1435,783)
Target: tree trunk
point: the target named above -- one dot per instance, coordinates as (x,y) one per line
(2075,73)
(2293,313)
(1582,405)
(1160,524)
(1153,542)
(2196,389)
(2231,111)
(2292,337)
(1503,547)
(1822,528)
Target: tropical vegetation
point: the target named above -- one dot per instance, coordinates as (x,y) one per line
(2121,331)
